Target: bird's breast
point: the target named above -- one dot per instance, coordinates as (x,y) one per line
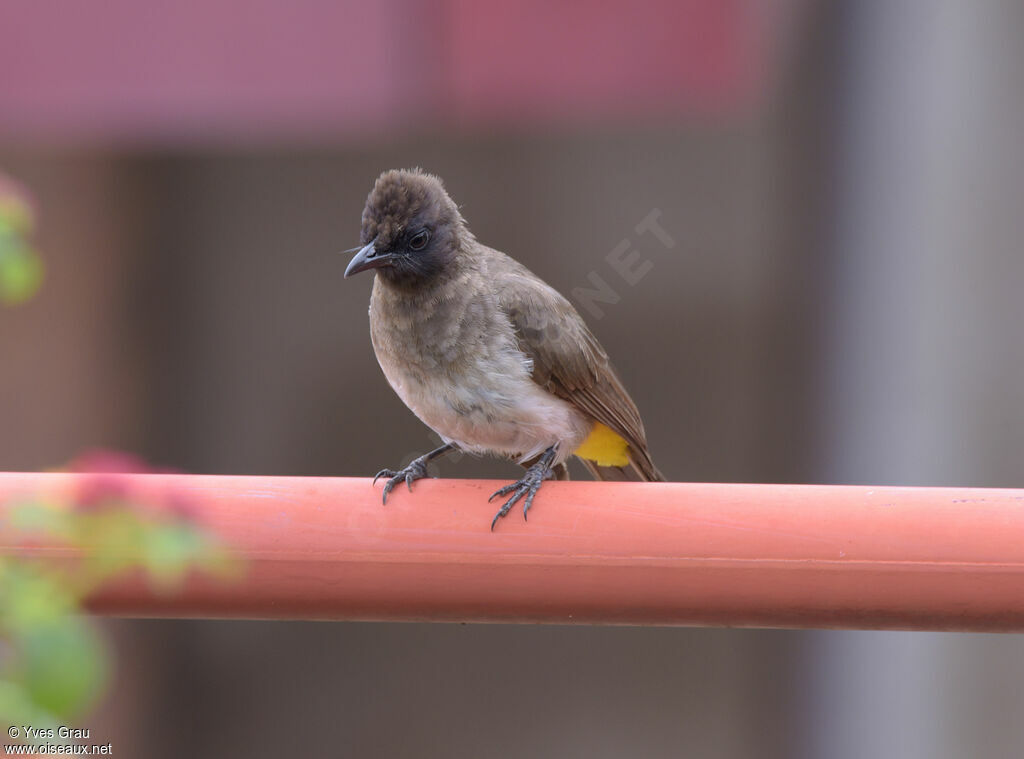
(458,367)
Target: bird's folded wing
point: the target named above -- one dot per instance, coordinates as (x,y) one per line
(567,359)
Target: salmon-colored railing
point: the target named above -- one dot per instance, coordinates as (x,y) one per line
(613,553)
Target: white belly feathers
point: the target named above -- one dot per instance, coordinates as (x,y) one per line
(472,391)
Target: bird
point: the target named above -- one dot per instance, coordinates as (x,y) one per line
(489,356)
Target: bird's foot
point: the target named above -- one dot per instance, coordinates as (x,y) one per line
(525,488)
(417,470)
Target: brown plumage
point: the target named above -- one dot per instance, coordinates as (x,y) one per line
(483,351)
(569,363)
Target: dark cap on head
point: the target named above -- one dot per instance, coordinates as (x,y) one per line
(411,229)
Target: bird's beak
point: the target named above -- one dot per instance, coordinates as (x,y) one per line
(367,258)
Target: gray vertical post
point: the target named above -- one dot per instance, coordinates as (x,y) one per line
(923,370)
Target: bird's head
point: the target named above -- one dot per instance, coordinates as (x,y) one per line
(411,229)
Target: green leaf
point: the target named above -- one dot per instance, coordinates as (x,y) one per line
(64,666)
(30,598)
(17,707)
(35,517)
(169,551)
(21,274)
(111,540)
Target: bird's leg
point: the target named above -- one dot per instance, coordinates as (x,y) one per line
(556,472)
(416,470)
(527,486)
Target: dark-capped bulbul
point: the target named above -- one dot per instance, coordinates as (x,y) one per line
(484,352)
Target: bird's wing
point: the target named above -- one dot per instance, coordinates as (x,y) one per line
(567,359)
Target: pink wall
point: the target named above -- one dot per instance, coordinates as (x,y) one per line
(169,71)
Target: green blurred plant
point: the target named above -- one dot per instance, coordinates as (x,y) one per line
(54,664)
(21,268)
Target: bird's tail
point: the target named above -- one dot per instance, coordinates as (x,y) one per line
(640,468)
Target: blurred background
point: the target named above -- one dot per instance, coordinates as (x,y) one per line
(834,295)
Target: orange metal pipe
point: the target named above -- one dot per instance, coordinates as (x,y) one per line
(613,553)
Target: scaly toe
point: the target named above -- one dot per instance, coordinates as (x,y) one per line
(390,484)
(529,500)
(505,490)
(384,473)
(507,506)
(526,487)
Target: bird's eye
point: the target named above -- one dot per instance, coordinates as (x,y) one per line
(419,240)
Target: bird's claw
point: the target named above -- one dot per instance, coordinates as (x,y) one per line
(416,470)
(526,487)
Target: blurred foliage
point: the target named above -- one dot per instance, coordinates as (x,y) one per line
(21,269)
(54,664)
(54,553)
